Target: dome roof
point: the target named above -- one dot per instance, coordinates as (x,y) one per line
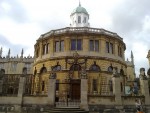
(80,9)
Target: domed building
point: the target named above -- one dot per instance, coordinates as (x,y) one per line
(74,69)
(80,52)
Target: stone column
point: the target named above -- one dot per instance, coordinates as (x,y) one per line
(51,89)
(144,86)
(21,86)
(1,82)
(84,92)
(144,90)
(117,89)
(1,86)
(20,93)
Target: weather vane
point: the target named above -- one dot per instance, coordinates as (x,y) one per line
(79,3)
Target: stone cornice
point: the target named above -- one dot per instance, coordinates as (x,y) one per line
(81,57)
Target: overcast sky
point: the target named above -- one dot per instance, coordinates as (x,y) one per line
(23,21)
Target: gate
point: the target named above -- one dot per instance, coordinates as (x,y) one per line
(68,94)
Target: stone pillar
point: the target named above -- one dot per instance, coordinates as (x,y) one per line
(51,89)
(117,90)
(144,86)
(21,86)
(20,93)
(84,92)
(1,81)
(145,90)
(1,86)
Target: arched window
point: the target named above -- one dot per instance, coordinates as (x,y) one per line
(43,70)
(95,67)
(75,67)
(110,69)
(56,68)
(24,71)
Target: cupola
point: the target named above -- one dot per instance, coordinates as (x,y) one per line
(79,17)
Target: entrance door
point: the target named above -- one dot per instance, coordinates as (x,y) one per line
(75,87)
(68,94)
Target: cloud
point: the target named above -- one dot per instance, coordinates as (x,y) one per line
(131,20)
(15,48)
(14,10)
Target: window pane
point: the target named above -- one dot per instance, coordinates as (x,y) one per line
(79,19)
(79,44)
(120,52)
(96,45)
(56,46)
(84,19)
(91,45)
(61,45)
(57,85)
(107,47)
(94,85)
(111,48)
(47,48)
(73,44)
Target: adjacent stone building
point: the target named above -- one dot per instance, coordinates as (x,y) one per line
(77,66)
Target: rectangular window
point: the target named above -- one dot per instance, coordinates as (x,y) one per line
(76,44)
(94,45)
(111,48)
(79,44)
(79,19)
(91,45)
(47,48)
(61,45)
(84,20)
(107,47)
(73,44)
(119,51)
(97,45)
(57,46)
(44,49)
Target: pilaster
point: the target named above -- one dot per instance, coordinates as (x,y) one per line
(84,93)
(51,89)
(117,90)
(144,90)
(21,86)
(1,86)
(20,93)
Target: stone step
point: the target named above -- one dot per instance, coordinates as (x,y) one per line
(68,110)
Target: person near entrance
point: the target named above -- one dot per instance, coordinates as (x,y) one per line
(139,107)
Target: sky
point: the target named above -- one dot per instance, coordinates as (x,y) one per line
(23,21)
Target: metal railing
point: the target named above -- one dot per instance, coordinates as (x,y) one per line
(74,103)
(100,90)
